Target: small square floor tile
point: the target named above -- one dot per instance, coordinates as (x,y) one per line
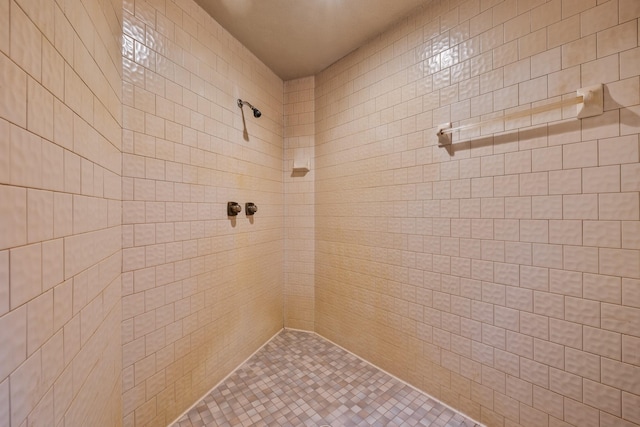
(301,379)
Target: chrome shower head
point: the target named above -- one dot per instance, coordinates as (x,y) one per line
(256,112)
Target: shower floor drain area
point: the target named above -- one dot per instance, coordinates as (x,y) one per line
(299,379)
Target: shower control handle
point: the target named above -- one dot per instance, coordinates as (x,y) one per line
(233,208)
(250,208)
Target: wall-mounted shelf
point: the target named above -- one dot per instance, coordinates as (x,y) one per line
(302,166)
(589,102)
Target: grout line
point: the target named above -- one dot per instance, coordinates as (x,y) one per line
(391,375)
(224,379)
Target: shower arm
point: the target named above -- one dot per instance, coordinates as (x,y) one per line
(256,112)
(241,103)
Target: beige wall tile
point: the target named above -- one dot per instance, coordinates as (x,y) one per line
(599,18)
(620,375)
(617,39)
(539,239)
(577,413)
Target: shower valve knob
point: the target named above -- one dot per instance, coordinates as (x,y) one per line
(250,208)
(233,208)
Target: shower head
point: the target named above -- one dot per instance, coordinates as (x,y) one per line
(256,112)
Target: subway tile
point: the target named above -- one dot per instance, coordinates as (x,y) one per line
(582,311)
(602,233)
(5,413)
(534,184)
(571,7)
(582,154)
(628,10)
(547,207)
(580,51)
(623,93)
(532,44)
(545,159)
(52,166)
(534,325)
(619,150)
(4,35)
(26,43)
(507,362)
(590,161)
(627,124)
(532,90)
(14,335)
(631,292)
(567,232)
(631,407)
(52,61)
(564,81)
(602,70)
(565,181)
(580,206)
(517,252)
(533,417)
(4,282)
(620,375)
(601,180)
(5,146)
(62,214)
(508,319)
(603,343)
(506,406)
(39,110)
(62,304)
(619,262)
(546,14)
(565,383)
(26,158)
(577,413)
(617,39)
(548,401)
(620,319)
(39,215)
(549,304)
(13,215)
(39,321)
(26,273)
(629,61)
(25,388)
(563,32)
(549,353)
(519,390)
(619,206)
(599,18)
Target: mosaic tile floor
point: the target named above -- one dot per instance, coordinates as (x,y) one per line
(300,379)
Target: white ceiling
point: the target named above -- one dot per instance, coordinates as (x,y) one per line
(298,38)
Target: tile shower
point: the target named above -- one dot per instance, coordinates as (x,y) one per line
(502,278)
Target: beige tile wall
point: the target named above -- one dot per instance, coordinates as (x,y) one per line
(60,212)
(299,131)
(504,277)
(201,291)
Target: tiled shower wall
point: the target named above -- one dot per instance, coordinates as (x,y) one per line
(299,131)
(201,291)
(60,212)
(501,277)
